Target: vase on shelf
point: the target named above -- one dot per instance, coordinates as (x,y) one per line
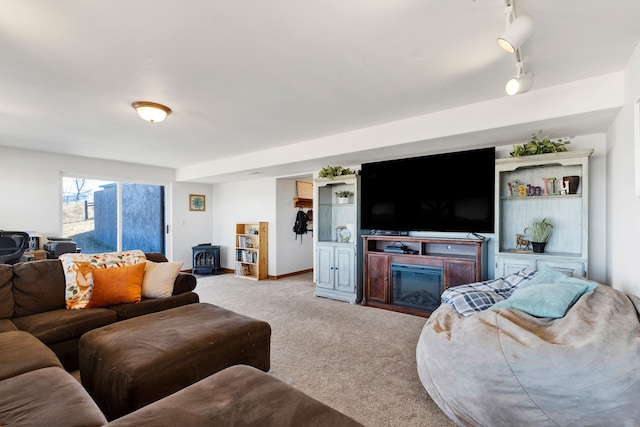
(570,184)
(342,200)
(538,247)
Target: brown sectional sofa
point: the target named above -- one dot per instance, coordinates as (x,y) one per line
(37,391)
(32,300)
(39,343)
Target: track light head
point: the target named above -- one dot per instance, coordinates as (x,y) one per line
(519,84)
(516,33)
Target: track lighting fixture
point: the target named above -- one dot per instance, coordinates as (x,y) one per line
(517,33)
(520,83)
(519,29)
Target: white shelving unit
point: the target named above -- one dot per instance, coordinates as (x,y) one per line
(522,196)
(336,238)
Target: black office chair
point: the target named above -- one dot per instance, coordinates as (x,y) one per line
(12,246)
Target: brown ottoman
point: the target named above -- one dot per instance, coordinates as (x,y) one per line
(237,396)
(129,364)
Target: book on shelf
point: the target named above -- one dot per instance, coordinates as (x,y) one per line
(247,256)
(243,269)
(246,270)
(245,242)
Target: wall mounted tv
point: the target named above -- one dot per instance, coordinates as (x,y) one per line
(451,192)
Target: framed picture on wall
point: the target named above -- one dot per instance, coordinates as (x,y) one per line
(196,202)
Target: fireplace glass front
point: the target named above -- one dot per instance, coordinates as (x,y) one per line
(416,286)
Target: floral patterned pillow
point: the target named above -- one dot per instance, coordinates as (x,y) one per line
(78,272)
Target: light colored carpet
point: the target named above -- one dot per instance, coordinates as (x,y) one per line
(358,360)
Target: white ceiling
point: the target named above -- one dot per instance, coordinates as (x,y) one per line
(248,75)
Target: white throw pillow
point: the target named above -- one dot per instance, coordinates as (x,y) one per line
(159,278)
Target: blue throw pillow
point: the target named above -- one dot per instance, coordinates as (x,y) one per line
(547,274)
(551,300)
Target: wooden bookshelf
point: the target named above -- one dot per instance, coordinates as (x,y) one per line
(251,250)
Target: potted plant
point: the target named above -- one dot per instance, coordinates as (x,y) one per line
(333,171)
(343,196)
(540,145)
(539,232)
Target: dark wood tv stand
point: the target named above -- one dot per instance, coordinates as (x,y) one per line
(460,261)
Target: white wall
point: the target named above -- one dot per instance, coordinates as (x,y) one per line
(267,200)
(190,228)
(30,197)
(294,253)
(243,202)
(30,193)
(623,206)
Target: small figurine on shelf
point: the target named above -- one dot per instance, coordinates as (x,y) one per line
(522,243)
(343,235)
(513,185)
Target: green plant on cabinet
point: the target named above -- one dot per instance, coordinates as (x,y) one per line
(344,194)
(540,145)
(333,171)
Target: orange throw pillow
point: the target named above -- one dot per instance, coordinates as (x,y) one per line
(116,285)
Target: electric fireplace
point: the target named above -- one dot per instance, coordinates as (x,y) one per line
(416,286)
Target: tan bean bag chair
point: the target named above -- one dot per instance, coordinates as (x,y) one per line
(505,367)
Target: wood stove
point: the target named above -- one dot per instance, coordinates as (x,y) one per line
(206,259)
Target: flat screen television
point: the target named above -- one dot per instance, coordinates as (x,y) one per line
(451,192)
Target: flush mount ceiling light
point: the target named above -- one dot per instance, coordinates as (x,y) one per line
(151,111)
(520,83)
(519,29)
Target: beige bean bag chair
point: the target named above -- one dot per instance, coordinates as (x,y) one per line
(498,365)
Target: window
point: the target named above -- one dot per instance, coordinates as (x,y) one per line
(107,216)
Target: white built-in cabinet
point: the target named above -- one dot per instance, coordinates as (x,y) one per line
(336,237)
(532,187)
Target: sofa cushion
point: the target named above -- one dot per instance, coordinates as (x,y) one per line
(159,278)
(6,292)
(15,345)
(153,305)
(156,257)
(47,397)
(119,285)
(238,396)
(38,286)
(62,324)
(185,282)
(78,272)
(7,325)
